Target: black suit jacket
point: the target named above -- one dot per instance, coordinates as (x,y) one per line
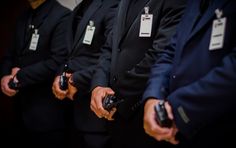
(40,110)
(83,58)
(125,64)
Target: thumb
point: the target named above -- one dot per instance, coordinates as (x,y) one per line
(109,91)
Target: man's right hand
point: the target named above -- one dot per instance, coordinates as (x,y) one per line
(5,87)
(98,94)
(151,126)
(60,94)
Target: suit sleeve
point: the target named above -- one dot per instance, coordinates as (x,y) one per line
(45,70)
(208,99)
(158,83)
(102,71)
(82,78)
(170,16)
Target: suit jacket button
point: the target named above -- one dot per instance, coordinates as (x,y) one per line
(119,50)
(174,76)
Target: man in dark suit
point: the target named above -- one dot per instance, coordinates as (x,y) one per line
(91,23)
(28,70)
(196,76)
(142,28)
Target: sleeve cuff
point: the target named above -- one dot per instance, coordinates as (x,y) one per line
(182,120)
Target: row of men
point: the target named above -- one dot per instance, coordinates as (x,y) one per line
(141,52)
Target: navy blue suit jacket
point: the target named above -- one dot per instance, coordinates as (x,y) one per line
(199,84)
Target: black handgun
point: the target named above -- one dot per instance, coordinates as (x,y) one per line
(162,116)
(110,101)
(63,79)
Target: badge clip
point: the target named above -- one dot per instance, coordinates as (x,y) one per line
(36,31)
(219,13)
(91,23)
(146,9)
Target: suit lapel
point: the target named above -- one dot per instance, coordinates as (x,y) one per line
(191,19)
(87,16)
(123,7)
(42,14)
(71,31)
(23,40)
(208,15)
(38,20)
(137,18)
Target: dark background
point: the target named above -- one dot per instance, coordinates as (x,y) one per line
(9,13)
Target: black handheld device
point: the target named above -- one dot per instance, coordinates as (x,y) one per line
(110,101)
(162,116)
(63,79)
(13,85)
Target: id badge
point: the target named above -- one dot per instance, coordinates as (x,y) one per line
(218,31)
(88,37)
(34,41)
(217,34)
(146,25)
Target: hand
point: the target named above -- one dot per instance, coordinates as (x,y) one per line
(151,126)
(14,71)
(111,113)
(60,94)
(172,139)
(97,97)
(5,88)
(71,89)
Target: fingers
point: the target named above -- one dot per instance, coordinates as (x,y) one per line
(15,70)
(60,94)
(68,75)
(71,91)
(111,113)
(155,131)
(109,91)
(174,141)
(96,101)
(94,110)
(9,92)
(151,126)
(96,97)
(5,88)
